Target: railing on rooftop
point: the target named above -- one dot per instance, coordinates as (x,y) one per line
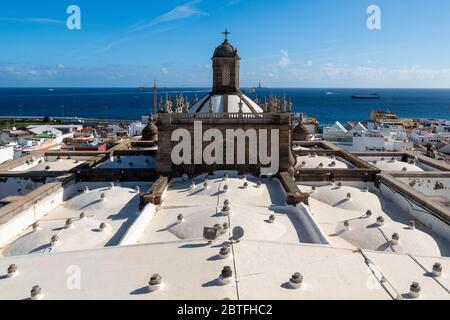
(215,116)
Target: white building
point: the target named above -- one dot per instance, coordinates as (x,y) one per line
(369,141)
(336,133)
(6,153)
(136,128)
(423,137)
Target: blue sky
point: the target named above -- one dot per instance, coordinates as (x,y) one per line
(283,43)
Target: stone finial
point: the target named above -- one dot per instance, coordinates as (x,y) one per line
(226,275)
(68,224)
(102,226)
(36,293)
(54,240)
(82,215)
(102,197)
(155,283)
(296,280)
(180,218)
(258,185)
(415,290)
(86,189)
(193,185)
(346,225)
(437,269)
(137,189)
(412,225)
(224,252)
(272,218)
(12,271)
(226,208)
(226,188)
(339,185)
(245,186)
(111,185)
(36,226)
(206,186)
(395,239)
(380,221)
(369,213)
(349,196)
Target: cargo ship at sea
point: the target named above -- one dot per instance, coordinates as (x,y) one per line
(366,96)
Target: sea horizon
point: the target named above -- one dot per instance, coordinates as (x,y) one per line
(327,105)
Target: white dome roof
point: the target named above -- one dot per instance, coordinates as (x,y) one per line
(226,103)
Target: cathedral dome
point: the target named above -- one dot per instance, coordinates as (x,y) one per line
(300,133)
(150,132)
(225,50)
(226,103)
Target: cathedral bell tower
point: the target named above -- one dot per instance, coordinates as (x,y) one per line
(226,64)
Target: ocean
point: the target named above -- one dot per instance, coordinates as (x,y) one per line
(327,105)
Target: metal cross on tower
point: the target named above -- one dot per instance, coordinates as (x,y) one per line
(226,33)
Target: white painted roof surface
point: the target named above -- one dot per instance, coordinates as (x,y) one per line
(118,211)
(16,186)
(203,105)
(189,270)
(395,165)
(250,209)
(331,208)
(128,162)
(313,162)
(41,164)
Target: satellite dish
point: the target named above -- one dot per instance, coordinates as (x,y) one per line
(238,233)
(210,234)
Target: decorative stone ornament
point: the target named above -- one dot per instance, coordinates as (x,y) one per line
(54,240)
(415,290)
(346,225)
(68,224)
(224,252)
(380,221)
(296,281)
(272,219)
(36,293)
(226,276)
(395,239)
(155,283)
(36,226)
(12,271)
(226,208)
(437,270)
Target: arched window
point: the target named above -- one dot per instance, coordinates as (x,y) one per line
(226,75)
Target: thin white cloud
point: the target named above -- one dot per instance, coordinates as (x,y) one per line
(33,20)
(180,12)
